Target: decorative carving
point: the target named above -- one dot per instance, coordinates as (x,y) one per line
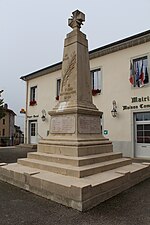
(69,69)
(65,57)
(68,93)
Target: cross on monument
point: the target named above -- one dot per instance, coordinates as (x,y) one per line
(1,92)
(76,20)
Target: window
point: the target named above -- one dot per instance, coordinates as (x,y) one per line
(96,81)
(143,133)
(143,116)
(3,121)
(33,95)
(58,88)
(3,132)
(139,72)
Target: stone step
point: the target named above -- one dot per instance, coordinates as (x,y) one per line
(32,146)
(78,151)
(74,171)
(74,161)
(67,190)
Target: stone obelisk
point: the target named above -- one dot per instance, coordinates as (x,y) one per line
(75,121)
(75,165)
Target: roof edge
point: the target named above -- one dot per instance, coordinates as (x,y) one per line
(131,41)
(135,36)
(41,71)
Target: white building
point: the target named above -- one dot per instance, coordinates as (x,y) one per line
(120,77)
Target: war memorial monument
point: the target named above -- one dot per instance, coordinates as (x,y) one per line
(75,165)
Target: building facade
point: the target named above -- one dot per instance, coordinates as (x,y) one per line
(120,81)
(7,124)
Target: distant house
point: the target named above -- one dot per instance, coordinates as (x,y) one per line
(18,135)
(120,85)
(7,127)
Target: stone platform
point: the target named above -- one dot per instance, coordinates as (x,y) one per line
(77,182)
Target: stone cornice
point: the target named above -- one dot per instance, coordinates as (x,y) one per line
(42,72)
(104,50)
(117,46)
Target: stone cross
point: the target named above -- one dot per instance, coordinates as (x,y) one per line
(76,20)
(1,92)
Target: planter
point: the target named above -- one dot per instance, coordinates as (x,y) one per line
(33,102)
(95,92)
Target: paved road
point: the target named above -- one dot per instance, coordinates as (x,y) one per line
(18,207)
(10,154)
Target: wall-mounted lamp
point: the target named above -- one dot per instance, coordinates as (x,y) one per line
(43,117)
(114,109)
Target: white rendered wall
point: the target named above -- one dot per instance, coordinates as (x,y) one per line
(115,86)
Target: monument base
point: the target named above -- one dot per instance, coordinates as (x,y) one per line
(78,193)
(75,148)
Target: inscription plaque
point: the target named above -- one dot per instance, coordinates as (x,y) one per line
(62,125)
(89,125)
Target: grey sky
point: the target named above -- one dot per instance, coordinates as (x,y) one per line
(33,32)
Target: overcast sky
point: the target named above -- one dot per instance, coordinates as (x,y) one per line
(33,31)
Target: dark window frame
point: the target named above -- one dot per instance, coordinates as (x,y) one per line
(96,81)
(139,71)
(33,100)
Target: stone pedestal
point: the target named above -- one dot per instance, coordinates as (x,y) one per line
(75,165)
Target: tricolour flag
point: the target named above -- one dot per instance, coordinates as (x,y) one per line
(141,77)
(137,75)
(146,80)
(131,79)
